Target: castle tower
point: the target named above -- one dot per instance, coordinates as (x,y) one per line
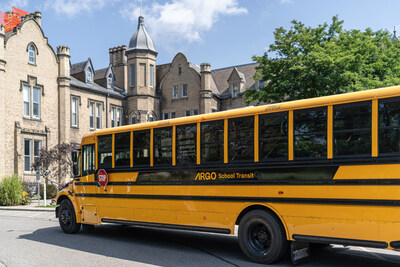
(143,104)
(2,99)
(205,89)
(64,83)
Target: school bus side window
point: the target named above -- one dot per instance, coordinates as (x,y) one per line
(88,160)
(122,149)
(105,151)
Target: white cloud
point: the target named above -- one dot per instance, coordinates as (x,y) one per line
(178,20)
(71,8)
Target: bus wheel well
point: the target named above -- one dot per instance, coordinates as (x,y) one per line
(258,207)
(61,198)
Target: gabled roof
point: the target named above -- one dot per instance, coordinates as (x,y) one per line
(78,67)
(221,77)
(95,88)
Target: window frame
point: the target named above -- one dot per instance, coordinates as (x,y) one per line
(260,139)
(352,104)
(175,93)
(177,145)
(98,116)
(26,92)
(32,54)
(74,112)
(92,111)
(89,171)
(215,142)
(89,75)
(151,76)
(185,91)
(384,101)
(28,156)
(38,90)
(243,118)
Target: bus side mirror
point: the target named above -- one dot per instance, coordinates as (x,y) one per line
(75,170)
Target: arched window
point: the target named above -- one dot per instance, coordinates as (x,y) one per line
(89,75)
(110,81)
(32,54)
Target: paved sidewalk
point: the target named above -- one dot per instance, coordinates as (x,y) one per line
(31,207)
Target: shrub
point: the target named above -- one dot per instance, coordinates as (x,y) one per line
(51,191)
(10,190)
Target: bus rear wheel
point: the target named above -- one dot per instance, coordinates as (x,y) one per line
(261,237)
(67,218)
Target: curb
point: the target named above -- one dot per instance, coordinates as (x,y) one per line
(28,209)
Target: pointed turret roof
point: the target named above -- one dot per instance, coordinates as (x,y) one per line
(395,38)
(141,40)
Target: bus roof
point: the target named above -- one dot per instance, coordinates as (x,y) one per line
(270,108)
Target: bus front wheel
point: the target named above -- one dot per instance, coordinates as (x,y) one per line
(67,218)
(261,237)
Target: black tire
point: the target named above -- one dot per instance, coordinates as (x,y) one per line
(262,237)
(67,218)
(87,227)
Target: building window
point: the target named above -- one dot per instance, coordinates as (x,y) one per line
(32,54)
(151,75)
(235,89)
(36,103)
(31,102)
(195,112)
(98,116)
(187,113)
(180,69)
(133,119)
(184,90)
(132,75)
(74,112)
(165,116)
(173,115)
(151,117)
(27,155)
(119,117)
(175,93)
(28,159)
(89,75)
(27,101)
(92,111)
(113,114)
(110,83)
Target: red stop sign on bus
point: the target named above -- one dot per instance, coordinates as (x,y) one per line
(102,178)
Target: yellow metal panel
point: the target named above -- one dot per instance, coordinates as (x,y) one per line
(256,131)
(330,132)
(225,140)
(173,145)
(383,171)
(151,147)
(198,142)
(374,127)
(131,151)
(113,151)
(290,137)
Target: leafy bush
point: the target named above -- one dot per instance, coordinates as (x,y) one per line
(51,191)
(11,190)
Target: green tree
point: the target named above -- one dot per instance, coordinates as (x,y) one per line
(309,62)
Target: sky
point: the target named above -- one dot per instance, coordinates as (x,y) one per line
(221,32)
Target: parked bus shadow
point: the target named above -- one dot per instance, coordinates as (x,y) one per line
(184,248)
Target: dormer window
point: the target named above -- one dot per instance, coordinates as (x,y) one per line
(89,75)
(32,54)
(110,83)
(235,89)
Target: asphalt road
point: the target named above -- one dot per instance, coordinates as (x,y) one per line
(35,239)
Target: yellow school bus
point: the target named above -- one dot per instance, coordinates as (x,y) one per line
(321,170)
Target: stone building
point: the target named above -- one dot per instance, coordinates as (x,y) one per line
(45,100)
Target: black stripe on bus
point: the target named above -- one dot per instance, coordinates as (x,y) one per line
(254,182)
(395,244)
(340,241)
(324,201)
(170,226)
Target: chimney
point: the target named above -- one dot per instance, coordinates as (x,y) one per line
(205,90)
(205,70)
